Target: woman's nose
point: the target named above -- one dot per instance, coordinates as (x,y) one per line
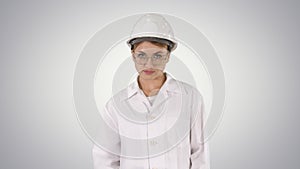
(149,63)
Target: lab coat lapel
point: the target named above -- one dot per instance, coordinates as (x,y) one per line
(170,85)
(161,99)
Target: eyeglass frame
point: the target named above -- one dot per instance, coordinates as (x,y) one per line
(163,58)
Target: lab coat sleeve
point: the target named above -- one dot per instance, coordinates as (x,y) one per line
(199,149)
(103,159)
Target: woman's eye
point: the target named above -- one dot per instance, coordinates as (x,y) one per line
(157,56)
(140,55)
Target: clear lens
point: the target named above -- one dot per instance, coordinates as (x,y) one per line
(157,58)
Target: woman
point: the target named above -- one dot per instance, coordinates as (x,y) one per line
(159,119)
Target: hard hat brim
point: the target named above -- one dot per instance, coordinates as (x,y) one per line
(171,45)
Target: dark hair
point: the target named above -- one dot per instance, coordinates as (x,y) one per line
(134,46)
(154,40)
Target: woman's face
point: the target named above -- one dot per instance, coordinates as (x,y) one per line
(150,60)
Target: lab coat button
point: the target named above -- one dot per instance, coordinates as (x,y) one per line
(153,142)
(151,117)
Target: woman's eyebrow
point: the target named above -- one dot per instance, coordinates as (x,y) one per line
(159,52)
(141,52)
(154,53)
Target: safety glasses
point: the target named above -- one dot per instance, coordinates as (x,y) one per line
(157,58)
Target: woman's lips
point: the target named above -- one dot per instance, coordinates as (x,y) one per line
(148,72)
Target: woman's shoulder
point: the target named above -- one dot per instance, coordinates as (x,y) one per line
(120,95)
(187,88)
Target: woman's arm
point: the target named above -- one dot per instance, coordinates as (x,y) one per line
(103,159)
(199,149)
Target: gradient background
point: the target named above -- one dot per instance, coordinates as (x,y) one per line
(257,42)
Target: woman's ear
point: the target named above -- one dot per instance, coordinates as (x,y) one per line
(168,57)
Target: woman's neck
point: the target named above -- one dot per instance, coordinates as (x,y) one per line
(152,86)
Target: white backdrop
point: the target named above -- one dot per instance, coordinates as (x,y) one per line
(257,43)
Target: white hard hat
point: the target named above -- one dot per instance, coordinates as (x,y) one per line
(153,27)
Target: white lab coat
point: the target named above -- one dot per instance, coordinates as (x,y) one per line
(174,98)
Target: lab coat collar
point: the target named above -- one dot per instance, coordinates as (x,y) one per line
(170,86)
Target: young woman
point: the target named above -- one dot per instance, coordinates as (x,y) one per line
(159,120)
